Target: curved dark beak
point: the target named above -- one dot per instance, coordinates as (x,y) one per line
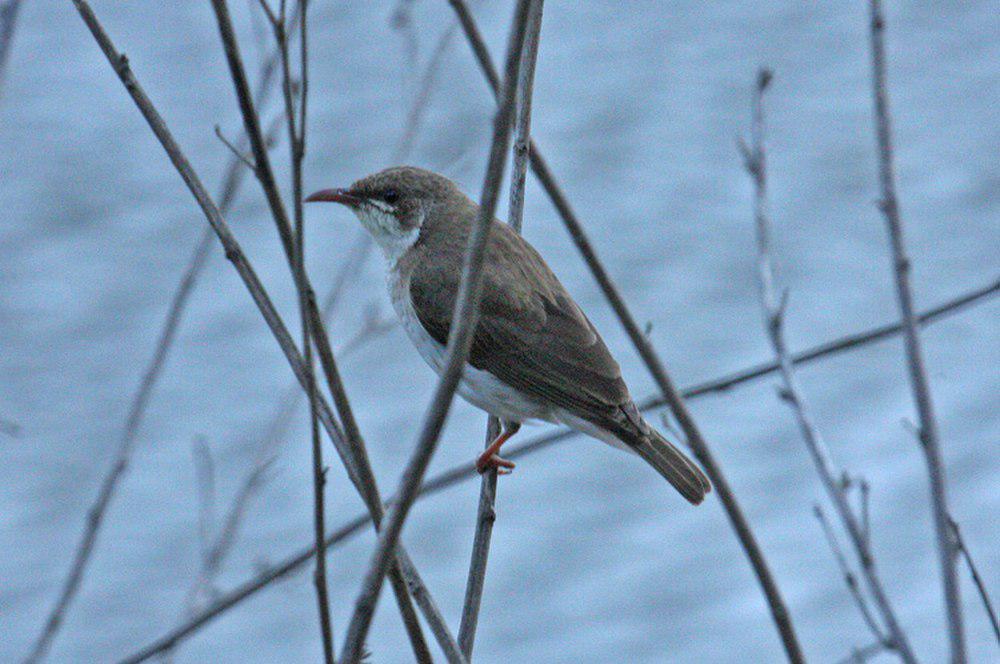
(343,196)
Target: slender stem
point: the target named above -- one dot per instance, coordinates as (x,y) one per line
(465,471)
(486,516)
(486,512)
(297,151)
(699,447)
(984,596)
(522,130)
(773,306)
(459,342)
(849,578)
(929,435)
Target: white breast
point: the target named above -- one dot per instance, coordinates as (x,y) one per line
(480,388)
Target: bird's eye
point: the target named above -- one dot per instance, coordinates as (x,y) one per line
(390,196)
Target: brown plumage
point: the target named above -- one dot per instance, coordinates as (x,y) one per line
(531,335)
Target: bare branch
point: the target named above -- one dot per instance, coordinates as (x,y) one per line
(486,512)
(486,516)
(466,471)
(978,580)
(849,578)
(459,342)
(792,394)
(204,473)
(297,150)
(929,435)
(244,159)
(269,13)
(699,447)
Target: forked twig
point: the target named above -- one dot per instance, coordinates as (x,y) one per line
(929,436)
(849,578)
(650,358)
(755,161)
(459,342)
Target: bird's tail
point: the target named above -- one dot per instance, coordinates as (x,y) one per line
(673,465)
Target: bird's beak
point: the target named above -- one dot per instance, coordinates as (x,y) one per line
(343,196)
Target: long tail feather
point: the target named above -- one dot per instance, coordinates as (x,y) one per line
(673,465)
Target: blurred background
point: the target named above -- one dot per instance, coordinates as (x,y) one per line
(637,107)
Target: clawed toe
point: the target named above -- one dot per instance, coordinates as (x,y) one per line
(503,466)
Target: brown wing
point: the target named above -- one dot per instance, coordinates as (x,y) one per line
(531,334)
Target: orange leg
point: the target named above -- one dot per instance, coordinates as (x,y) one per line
(490,458)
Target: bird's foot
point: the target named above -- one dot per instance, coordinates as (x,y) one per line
(502,466)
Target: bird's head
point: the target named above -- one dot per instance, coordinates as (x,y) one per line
(394,204)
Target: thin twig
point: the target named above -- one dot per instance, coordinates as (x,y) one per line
(978,580)
(351,453)
(466,471)
(204,472)
(297,150)
(486,516)
(486,512)
(244,159)
(773,305)
(929,434)
(849,578)
(459,342)
(650,357)
(522,129)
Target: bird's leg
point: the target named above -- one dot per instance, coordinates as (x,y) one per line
(490,458)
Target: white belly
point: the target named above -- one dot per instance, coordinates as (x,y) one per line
(480,388)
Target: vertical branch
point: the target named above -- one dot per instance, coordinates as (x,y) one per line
(486,516)
(779,611)
(755,160)
(929,435)
(978,580)
(849,578)
(297,149)
(522,130)
(486,512)
(459,342)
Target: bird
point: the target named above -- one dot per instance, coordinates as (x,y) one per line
(535,355)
